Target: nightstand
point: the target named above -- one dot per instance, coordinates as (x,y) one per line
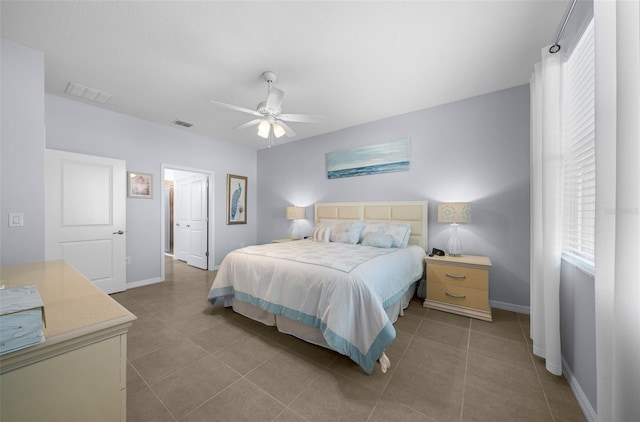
(459,284)
(287,239)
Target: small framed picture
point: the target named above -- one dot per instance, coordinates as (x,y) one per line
(139,185)
(236,199)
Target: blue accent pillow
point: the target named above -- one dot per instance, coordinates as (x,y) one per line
(345,231)
(400,232)
(379,240)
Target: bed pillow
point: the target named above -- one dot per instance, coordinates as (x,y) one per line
(345,231)
(379,240)
(321,233)
(355,232)
(400,232)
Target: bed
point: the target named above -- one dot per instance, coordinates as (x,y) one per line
(343,288)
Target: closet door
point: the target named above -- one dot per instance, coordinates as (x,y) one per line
(181,220)
(197,228)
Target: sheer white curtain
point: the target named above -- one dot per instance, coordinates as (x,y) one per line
(546,208)
(617,52)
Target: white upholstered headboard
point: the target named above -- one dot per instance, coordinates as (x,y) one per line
(414,212)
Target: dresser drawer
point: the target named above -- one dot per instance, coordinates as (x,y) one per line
(458,296)
(474,278)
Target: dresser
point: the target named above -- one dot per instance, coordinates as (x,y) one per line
(459,284)
(79,372)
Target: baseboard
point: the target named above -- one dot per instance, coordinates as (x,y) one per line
(584,403)
(510,307)
(143,282)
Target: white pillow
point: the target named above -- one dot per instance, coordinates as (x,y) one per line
(321,234)
(379,240)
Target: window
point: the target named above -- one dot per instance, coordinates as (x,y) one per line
(579,169)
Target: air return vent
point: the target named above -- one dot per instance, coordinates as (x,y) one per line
(182,123)
(87,93)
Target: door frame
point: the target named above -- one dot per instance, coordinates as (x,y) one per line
(211,213)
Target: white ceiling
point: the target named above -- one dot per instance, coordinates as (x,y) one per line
(353,62)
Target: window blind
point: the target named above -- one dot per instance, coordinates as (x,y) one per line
(579,166)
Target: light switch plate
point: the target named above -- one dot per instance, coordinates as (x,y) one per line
(16,219)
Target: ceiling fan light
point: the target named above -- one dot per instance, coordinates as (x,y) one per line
(263,129)
(278,130)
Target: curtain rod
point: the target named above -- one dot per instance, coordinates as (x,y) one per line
(556,47)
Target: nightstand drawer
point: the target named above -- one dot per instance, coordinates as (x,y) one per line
(474,278)
(459,296)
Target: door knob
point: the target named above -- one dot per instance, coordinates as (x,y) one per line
(118,232)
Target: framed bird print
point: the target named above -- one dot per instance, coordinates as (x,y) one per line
(236,199)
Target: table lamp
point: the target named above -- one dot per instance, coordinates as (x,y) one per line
(454,213)
(295,213)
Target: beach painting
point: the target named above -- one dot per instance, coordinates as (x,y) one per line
(374,159)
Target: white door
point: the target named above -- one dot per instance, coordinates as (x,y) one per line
(197,224)
(85,216)
(191,222)
(181,221)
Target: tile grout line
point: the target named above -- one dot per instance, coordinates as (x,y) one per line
(466,366)
(210,398)
(375,406)
(286,406)
(535,368)
(153,392)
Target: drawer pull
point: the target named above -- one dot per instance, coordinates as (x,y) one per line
(456,296)
(455,276)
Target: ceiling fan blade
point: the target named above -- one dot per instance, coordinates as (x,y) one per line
(302,118)
(237,108)
(274,99)
(287,130)
(248,124)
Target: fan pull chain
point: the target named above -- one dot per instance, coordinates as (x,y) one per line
(270,144)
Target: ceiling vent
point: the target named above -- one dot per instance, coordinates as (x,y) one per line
(182,123)
(90,94)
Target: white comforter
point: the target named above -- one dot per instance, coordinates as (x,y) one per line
(340,288)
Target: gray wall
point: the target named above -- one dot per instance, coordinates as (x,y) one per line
(577,327)
(77,127)
(474,150)
(22,153)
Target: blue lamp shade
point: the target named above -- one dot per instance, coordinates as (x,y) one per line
(295,213)
(454,213)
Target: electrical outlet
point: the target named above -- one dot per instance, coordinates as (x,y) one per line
(16,219)
(128,260)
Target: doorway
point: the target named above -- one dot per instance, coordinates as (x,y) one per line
(187,216)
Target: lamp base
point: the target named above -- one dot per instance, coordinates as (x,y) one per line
(454,246)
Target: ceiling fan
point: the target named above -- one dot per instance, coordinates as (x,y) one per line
(270,119)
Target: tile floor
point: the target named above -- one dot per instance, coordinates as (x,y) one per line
(188,361)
